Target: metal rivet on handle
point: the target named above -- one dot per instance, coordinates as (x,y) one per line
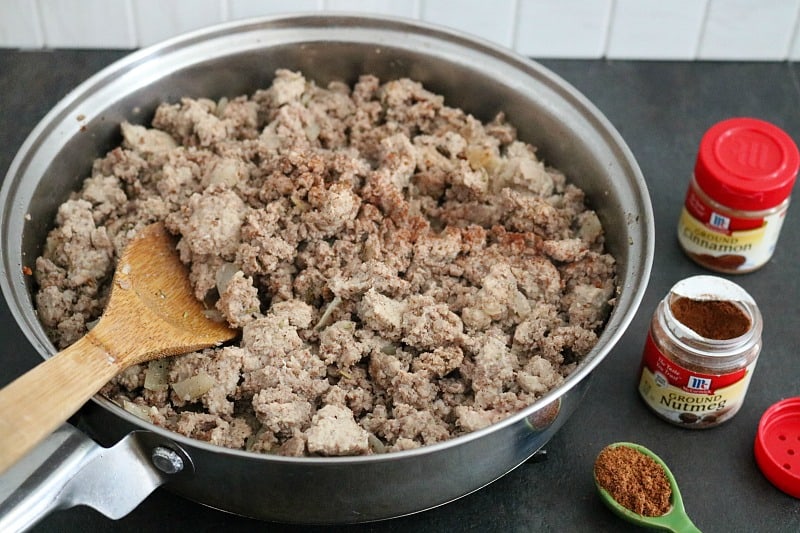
(166,460)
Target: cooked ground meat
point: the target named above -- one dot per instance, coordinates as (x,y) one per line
(401,273)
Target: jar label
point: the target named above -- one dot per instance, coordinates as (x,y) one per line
(727,243)
(721,223)
(688,397)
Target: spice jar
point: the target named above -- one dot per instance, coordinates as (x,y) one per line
(700,352)
(737,199)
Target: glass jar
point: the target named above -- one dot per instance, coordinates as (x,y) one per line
(738,196)
(700,353)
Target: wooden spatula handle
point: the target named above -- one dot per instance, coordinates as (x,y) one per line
(36,403)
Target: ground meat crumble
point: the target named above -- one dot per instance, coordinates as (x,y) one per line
(401,272)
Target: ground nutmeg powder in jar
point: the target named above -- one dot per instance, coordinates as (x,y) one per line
(712,319)
(700,352)
(634,480)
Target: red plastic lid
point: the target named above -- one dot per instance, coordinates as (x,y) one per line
(777,446)
(746,163)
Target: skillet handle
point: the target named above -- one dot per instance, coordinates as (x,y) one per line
(69,469)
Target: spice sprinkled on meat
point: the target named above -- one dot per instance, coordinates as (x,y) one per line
(401,272)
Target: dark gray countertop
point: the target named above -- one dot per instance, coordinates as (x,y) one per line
(661,109)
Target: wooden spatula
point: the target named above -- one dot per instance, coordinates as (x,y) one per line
(152,313)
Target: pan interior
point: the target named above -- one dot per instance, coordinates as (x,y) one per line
(238,59)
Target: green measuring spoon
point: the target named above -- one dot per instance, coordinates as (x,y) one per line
(675,520)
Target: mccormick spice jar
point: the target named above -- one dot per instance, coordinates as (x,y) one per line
(738,196)
(700,352)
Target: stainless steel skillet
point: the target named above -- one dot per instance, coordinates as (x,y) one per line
(237,58)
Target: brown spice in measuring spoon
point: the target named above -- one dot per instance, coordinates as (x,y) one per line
(712,319)
(634,480)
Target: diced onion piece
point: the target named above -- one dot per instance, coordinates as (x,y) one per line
(192,388)
(482,157)
(375,444)
(389,349)
(323,320)
(300,204)
(312,131)
(156,375)
(225,171)
(221,105)
(224,275)
(493,309)
(213,314)
(139,411)
(519,304)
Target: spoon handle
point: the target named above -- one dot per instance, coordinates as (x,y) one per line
(683,524)
(36,403)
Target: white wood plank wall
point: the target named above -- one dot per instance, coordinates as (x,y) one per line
(758,30)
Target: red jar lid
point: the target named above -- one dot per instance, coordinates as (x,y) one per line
(777,445)
(747,164)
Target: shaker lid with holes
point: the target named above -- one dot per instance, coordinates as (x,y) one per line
(777,446)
